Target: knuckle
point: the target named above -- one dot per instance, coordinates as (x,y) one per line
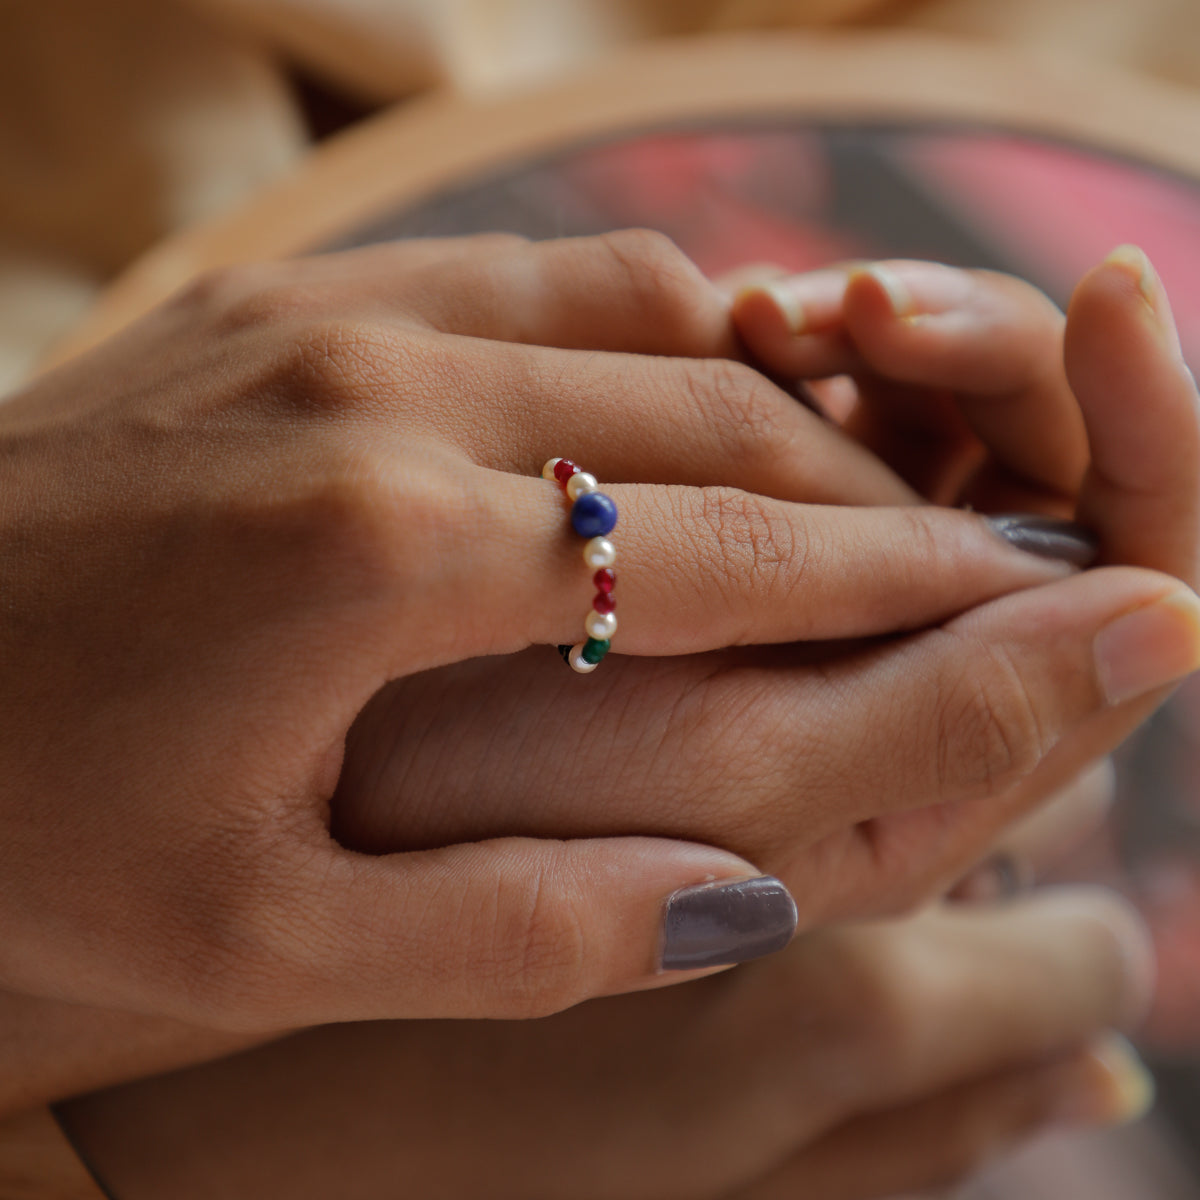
(246,296)
(333,366)
(989,730)
(215,289)
(748,544)
(741,411)
(917,548)
(539,966)
(645,250)
(379,524)
(654,268)
(346,526)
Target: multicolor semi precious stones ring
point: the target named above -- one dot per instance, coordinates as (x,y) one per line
(593,516)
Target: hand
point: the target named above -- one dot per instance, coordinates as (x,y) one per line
(860,1062)
(958,380)
(858,779)
(225,530)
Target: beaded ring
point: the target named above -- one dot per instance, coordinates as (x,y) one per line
(593,515)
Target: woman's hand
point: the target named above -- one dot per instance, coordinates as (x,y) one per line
(861,1062)
(227,529)
(858,777)
(960,381)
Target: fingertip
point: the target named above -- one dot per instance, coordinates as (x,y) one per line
(1134,262)
(732,283)
(1127,282)
(1140,405)
(1126,1089)
(909,290)
(767,310)
(793,323)
(1125,941)
(875,289)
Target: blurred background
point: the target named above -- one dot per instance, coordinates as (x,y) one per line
(123,122)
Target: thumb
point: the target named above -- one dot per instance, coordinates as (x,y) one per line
(510,928)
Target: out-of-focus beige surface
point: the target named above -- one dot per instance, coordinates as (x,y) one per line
(123,120)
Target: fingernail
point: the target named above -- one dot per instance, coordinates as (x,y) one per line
(1136,261)
(1117,1089)
(1132,1084)
(1134,257)
(790,306)
(1149,647)
(1047,537)
(920,289)
(730,921)
(806,302)
(1000,877)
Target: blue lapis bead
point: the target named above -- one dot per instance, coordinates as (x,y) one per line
(593,515)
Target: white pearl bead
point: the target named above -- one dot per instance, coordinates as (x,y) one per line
(579,663)
(600,626)
(548,469)
(599,552)
(580,484)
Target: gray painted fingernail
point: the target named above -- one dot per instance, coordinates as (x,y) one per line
(730,921)
(1047,537)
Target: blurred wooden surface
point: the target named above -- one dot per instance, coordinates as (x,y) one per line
(443,138)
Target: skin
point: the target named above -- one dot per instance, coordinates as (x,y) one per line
(860,1062)
(299,537)
(827,740)
(995,1102)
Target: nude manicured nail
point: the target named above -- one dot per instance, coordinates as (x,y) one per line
(1135,260)
(790,306)
(1118,1087)
(1134,257)
(1047,537)
(730,921)
(1150,647)
(920,289)
(1132,1084)
(806,302)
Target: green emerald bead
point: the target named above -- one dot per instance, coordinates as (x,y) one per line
(594,650)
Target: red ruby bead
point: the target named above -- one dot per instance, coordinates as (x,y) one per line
(605,579)
(564,469)
(604,602)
